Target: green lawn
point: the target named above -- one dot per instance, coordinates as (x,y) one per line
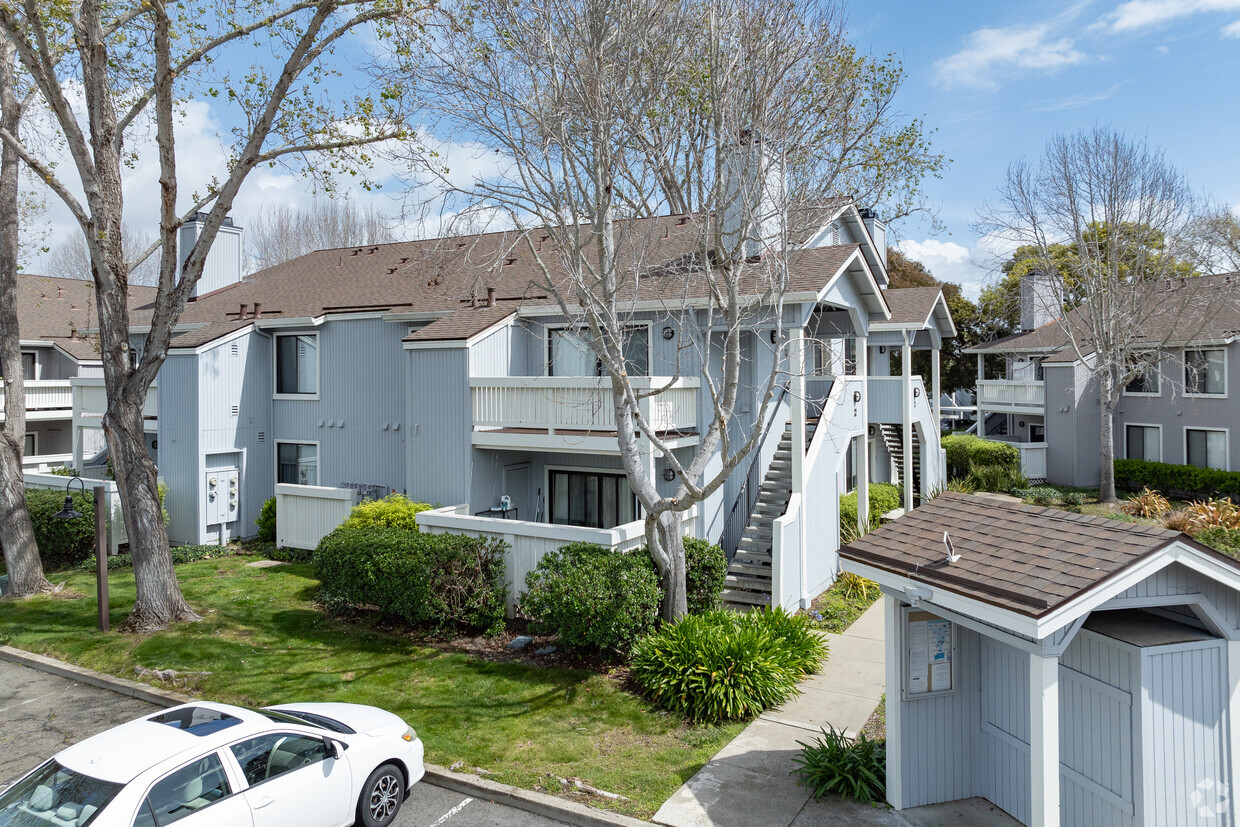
(265,641)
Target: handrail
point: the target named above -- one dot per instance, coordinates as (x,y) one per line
(734,527)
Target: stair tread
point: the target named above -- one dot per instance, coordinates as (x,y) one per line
(741,596)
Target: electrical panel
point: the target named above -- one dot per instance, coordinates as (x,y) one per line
(223,496)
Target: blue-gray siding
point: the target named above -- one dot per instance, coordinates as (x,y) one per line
(439,422)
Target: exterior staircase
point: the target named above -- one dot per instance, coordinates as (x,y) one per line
(893,438)
(749,574)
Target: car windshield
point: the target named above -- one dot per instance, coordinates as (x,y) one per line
(54,794)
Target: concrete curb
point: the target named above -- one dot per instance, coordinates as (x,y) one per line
(570,812)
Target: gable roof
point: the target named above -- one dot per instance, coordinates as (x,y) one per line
(50,309)
(1197,309)
(1027,560)
(441,276)
(916,308)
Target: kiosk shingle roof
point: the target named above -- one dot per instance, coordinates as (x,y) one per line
(1026,559)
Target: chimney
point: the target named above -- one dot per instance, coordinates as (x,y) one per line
(241,314)
(258,310)
(223,266)
(877,230)
(490,297)
(751,187)
(1041,299)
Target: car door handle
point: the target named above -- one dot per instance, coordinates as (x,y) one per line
(263,802)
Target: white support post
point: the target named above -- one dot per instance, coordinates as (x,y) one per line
(936,385)
(906,387)
(895,704)
(796,367)
(1044,739)
(981,377)
(863,456)
(1233,717)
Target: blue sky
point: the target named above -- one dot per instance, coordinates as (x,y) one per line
(998,78)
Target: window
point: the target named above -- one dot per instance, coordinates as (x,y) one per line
(196,720)
(1143,442)
(53,791)
(850,357)
(569,352)
(184,793)
(850,465)
(1206,449)
(1145,384)
(297,364)
(1205,372)
(31,445)
(1037,433)
(591,499)
(1038,374)
(297,463)
(28,367)
(270,756)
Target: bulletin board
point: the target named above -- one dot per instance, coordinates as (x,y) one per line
(929,655)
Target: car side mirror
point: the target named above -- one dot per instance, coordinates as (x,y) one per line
(333,748)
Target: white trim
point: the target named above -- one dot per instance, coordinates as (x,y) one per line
(1044,740)
(275,368)
(895,707)
(33,452)
(1226,432)
(239,333)
(1128,425)
(436,344)
(1184,361)
(275,452)
(1233,707)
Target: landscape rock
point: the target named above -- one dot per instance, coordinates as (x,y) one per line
(520,642)
(546,650)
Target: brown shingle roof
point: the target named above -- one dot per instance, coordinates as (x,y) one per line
(463,323)
(443,275)
(1022,558)
(912,305)
(49,309)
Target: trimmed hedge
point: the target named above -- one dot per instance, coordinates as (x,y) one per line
(706,569)
(1226,540)
(593,598)
(1177,480)
(966,450)
(441,581)
(393,511)
(266,521)
(884,497)
(63,544)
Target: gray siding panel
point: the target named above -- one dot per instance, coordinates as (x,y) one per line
(1004,747)
(439,422)
(178,445)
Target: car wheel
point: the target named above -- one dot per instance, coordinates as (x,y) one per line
(381,797)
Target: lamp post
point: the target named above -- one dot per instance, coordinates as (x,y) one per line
(101,547)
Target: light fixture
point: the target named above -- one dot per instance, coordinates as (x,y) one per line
(774,335)
(669,474)
(882,348)
(1021,423)
(669,333)
(68,512)
(856,397)
(916,392)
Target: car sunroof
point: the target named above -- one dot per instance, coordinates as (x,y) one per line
(196,720)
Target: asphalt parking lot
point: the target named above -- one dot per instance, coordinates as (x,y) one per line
(41,714)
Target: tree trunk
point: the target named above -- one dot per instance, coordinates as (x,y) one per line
(159,600)
(663,533)
(21,552)
(1106,452)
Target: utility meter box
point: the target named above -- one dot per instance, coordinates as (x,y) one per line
(223,488)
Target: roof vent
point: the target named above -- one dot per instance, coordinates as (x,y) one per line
(952,556)
(258,310)
(356,252)
(508,262)
(490,297)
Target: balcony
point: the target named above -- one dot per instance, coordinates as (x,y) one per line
(576,414)
(90,401)
(1005,395)
(45,399)
(886,406)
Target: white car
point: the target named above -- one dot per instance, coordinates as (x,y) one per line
(308,765)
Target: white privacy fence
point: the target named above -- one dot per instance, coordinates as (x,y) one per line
(115,517)
(529,541)
(306,514)
(45,394)
(577,403)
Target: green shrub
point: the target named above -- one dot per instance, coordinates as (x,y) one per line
(62,471)
(706,568)
(836,765)
(393,511)
(62,543)
(965,450)
(1040,494)
(884,497)
(803,650)
(1072,499)
(1177,480)
(266,521)
(998,478)
(440,581)
(180,554)
(960,485)
(592,597)
(714,667)
(1226,540)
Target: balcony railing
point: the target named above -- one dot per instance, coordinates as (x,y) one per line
(999,394)
(45,395)
(576,404)
(90,399)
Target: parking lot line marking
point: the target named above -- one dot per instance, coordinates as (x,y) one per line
(451,812)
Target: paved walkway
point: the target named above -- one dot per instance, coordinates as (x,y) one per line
(749,781)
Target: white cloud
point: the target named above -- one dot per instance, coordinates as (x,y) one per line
(990,54)
(1231,30)
(1162,50)
(947,261)
(1143,14)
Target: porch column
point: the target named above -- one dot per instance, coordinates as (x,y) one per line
(77,447)
(863,455)
(895,662)
(977,394)
(906,385)
(936,383)
(1044,739)
(1233,708)
(796,368)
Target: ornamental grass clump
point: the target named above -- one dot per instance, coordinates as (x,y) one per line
(723,666)
(835,765)
(1149,504)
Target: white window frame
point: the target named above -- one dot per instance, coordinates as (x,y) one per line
(1226,432)
(1157,372)
(546,347)
(275,367)
(1128,425)
(584,469)
(1184,360)
(318,447)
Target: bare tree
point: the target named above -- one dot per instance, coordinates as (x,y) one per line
(132,62)
(282,232)
(1130,218)
(605,110)
(70,259)
(1218,240)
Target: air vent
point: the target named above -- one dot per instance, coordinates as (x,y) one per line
(262,437)
(235,410)
(235,349)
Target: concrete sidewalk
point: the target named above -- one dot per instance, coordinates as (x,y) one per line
(750,782)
